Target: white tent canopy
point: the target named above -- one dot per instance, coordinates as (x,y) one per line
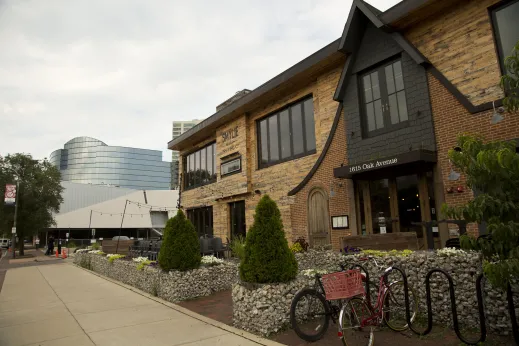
(144,209)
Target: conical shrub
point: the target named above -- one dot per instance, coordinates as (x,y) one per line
(180,248)
(267,256)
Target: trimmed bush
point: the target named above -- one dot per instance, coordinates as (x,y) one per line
(267,256)
(180,248)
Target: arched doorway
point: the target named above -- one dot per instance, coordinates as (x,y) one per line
(318,223)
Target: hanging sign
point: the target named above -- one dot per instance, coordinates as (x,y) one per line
(383,230)
(10,194)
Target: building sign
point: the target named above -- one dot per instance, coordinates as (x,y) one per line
(10,194)
(230,134)
(373,165)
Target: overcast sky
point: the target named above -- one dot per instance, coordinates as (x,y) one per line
(122,70)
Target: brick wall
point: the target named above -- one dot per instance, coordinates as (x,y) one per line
(459,43)
(451,119)
(276,180)
(342,201)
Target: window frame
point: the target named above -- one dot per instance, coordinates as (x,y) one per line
(384,96)
(346,218)
(276,113)
(194,177)
(201,212)
(236,158)
(495,31)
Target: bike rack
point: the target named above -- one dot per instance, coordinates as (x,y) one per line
(366,284)
(479,294)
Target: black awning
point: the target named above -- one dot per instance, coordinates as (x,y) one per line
(382,163)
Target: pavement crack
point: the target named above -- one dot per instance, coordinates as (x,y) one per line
(65,305)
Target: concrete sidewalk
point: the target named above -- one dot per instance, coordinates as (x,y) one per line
(65,305)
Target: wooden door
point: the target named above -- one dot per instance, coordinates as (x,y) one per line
(318,218)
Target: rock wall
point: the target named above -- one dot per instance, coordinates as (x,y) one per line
(172,286)
(265,309)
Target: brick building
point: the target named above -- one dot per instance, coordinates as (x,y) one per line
(353,140)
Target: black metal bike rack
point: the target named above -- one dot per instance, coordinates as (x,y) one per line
(479,294)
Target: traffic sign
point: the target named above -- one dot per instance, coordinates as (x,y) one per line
(13,230)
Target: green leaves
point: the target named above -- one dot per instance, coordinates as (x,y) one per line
(39,195)
(267,256)
(492,172)
(510,81)
(180,248)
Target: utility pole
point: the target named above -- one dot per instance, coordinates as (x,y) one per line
(13,240)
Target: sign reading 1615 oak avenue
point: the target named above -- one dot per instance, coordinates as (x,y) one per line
(373,164)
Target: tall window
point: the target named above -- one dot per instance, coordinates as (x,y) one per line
(383,98)
(202,219)
(200,167)
(287,134)
(506,28)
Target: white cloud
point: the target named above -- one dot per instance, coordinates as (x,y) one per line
(123,70)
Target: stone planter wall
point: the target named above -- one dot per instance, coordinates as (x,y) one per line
(172,286)
(265,309)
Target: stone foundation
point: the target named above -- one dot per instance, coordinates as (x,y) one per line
(265,309)
(173,286)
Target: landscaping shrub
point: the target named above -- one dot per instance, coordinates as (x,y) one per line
(303,243)
(267,256)
(71,245)
(180,248)
(238,247)
(296,248)
(95,246)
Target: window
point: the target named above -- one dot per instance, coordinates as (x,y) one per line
(383,99)
(340,222)
(202,219)
(229,167)
(287,134)
(199,167)
(506,30)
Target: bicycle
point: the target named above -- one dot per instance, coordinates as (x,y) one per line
(334,307)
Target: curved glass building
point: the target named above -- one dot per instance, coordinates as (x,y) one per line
(87,160)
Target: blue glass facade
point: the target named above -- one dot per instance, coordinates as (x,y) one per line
(89,161)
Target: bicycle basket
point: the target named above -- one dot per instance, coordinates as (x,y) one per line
(342,285)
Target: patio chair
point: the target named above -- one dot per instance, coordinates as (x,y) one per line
(218,247)
(206,246)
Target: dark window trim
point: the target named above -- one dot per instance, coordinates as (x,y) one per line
(276,113)
(234,158)
(362,103)
(196,176)
(495,31)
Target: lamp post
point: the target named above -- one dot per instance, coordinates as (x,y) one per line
(13,240)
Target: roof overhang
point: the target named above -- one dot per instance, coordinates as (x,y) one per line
(205,128)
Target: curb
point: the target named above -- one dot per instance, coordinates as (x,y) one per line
(217,324)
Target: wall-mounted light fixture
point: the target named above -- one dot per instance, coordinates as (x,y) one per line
(459,189)
(496,116)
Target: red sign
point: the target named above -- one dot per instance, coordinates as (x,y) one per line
(10,194)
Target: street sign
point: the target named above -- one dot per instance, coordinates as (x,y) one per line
(67,235)
(13,230)
(10,194)
(93,232)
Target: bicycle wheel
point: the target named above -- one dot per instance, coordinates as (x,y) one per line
(310,314)
(352,314)
(393,308)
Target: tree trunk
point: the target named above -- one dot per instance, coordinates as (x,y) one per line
(21,245)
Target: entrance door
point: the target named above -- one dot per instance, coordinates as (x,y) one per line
(318,218)
(237,210)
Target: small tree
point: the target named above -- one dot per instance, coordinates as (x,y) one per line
(510,81)
(267,256)
(180,248)
(492,170)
